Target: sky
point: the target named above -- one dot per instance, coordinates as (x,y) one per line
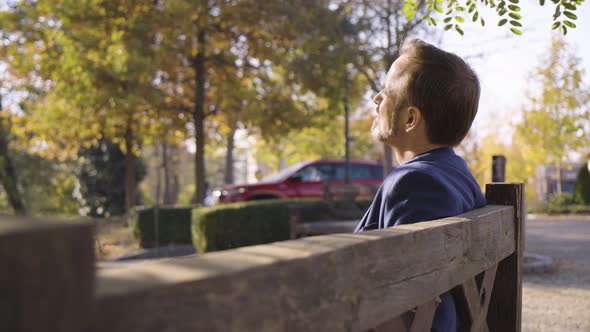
(504,60)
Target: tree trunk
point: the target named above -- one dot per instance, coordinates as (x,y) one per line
(129,168)
(168,194)
(558,170)
(387,152)
(7,173)
(229,159)
(158,178)
(199,111)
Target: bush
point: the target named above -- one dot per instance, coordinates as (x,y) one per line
(236,225)
(582,186)
(240,224)
(561,200)
(174,226)
(562,204)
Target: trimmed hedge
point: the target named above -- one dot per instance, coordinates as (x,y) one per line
(240,224)
(174,225)
(236,225)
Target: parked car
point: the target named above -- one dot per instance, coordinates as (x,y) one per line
(307,180)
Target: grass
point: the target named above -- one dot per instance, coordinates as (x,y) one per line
(113,238)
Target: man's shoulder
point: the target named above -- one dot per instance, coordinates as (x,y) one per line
(411,177)
(413,171)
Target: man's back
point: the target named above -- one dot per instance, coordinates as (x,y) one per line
(433,185)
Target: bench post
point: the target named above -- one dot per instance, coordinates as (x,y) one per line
(505,310)
(47,278)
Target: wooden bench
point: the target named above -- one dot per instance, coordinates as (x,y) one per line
(382,280)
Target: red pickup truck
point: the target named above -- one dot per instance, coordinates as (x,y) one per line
(307,180)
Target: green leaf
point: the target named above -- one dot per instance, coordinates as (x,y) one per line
(438,8)
(433,21)
(514,8)
(471,8)
(460,8)
(458,29)
(502,12)
(515,23)
(502,22)
(459,19)
(447,19)
(556,13)
(569,6)
(556,25)
(409,9)
(449,11)
(483,23)
(570,15)
(564,30)
(515,16)
(475,16)
(569,24)
(514,1)
(516,31)
(448,27)
(542,2)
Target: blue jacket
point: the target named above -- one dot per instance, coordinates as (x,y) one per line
(433,185)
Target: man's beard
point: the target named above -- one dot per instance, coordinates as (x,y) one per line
(384,134)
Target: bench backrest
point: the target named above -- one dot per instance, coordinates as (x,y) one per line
(383,280)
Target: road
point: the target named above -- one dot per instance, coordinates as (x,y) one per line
(561,237)
(559,300)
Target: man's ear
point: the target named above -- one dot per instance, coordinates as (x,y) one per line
(414,118)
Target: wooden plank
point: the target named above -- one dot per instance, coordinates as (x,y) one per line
(485,292)
(505,309)
(400,323)
(47,275)
(327,227)
(351,282)
(424,316)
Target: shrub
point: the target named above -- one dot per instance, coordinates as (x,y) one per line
(561,200)
(235,225)
(582,186)
(240,224)
(561,204)
(174,226)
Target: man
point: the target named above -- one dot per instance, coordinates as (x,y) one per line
(426,107)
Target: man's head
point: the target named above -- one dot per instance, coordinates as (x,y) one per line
(429,95)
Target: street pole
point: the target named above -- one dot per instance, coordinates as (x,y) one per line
(346,136)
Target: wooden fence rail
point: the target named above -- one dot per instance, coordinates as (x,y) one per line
(382,280)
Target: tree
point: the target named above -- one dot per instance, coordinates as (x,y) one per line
(552,122)
(101,190)
(89,71)
(228,64)
(582,186)
(8,176)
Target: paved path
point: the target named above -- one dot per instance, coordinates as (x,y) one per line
(561,237)
(558,301)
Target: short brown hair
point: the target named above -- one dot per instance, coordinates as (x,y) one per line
(444,88)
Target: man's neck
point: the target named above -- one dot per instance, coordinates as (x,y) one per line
(404,155)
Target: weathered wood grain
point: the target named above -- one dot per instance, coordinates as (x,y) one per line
(343,282)
(505,311)
(47,275)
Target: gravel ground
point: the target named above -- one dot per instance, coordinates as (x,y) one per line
(559,300)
